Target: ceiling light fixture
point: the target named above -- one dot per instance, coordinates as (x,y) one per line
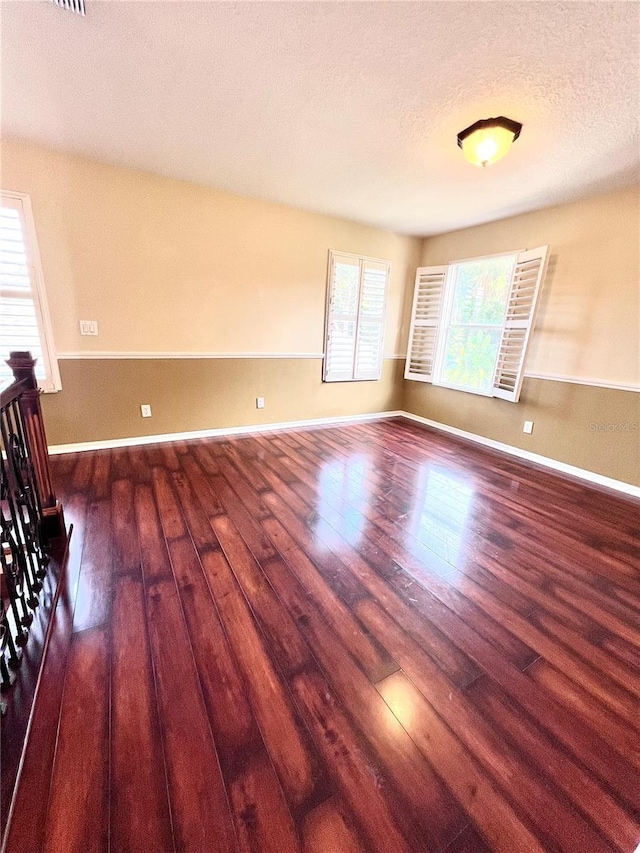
(488,140)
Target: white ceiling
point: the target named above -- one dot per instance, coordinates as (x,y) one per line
(347,108)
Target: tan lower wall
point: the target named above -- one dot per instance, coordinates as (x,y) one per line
(101,398)
(568,421)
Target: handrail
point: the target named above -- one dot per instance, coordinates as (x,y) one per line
(30,514)
(13,391)
(23,367)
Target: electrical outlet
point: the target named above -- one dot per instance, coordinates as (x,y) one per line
(88,327)
(259,402)
(146,410)
(528,427)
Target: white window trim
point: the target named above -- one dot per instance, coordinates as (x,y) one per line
(327,313)
(444,316)
(53,382)
(445,320)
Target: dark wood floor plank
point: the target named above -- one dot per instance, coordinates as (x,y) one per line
(263,822)
(152,545)
(171,518)
(170,457)
(490,810)
(596,756)
(624,651)
(548,626)
(121,462)
(362,785)
(194,514)
(78,814)
(569,605)
(233,472)
(555,542)
(621,734)
(387,553)
(282,633)
(460,717)
(199,807)
(610,688)
(100,478)
(330,827)
(233,724)
(95,584)
(243,519)
(550,815)
(413,777)
(575,589)
(256,596)
(201,484)
(432,633)
(81,477)
(290,747)
(140,819)
(246,464)
(577,785)
(469,841)
(261,817)
(453,594)
(372,657)
(126,545)
(139,463)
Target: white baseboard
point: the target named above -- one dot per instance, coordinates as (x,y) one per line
(108,443)
(554,464)
(563,467)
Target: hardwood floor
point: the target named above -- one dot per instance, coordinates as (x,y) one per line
(362,638)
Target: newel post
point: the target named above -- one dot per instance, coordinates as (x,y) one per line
(23,367)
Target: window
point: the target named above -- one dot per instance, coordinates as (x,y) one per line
(356,297)
(471,322)
(24,318)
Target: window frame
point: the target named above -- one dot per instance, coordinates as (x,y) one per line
(52,381)
(445,321)
(430,322)
(362,259)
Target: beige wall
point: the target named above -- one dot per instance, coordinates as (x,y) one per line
(588,324)
(588,328)
(101,397)
(597,429)
(169,266)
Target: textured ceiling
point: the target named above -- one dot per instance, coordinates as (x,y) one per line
(347,108)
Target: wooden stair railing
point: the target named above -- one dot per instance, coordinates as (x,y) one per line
(23,367)
(30,517)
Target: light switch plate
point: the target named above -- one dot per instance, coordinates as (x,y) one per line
(88,327)
(528,427)
(145,410)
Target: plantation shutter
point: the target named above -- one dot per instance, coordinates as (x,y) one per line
(425,318)
(370,330)
(355,318)
(521,307)
(22,310)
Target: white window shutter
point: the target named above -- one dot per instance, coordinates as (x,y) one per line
(342,317)
(425,319)
(370,331)
(527,278)
(356,297)
(23,311)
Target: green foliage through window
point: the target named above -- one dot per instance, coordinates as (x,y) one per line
(480,293)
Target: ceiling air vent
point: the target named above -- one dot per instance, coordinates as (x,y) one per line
(71,5)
